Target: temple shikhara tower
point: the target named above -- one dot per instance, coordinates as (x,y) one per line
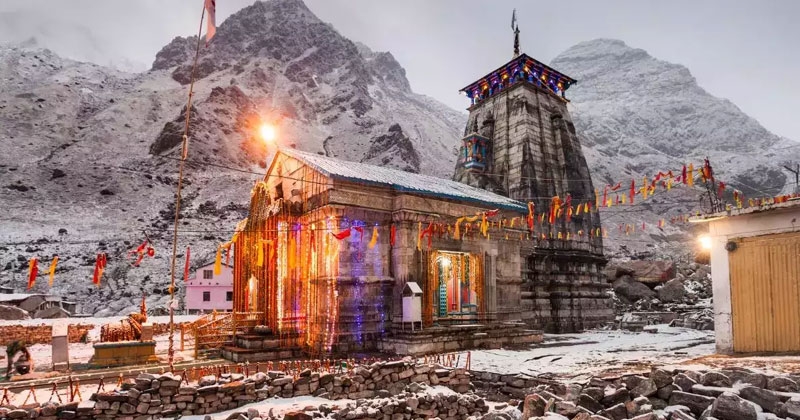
(520,142)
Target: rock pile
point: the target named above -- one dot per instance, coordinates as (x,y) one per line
(683,289)
(156,396)
(728,394)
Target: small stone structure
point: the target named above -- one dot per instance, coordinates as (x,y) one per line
(156,396)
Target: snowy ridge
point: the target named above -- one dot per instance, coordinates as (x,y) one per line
(637,115)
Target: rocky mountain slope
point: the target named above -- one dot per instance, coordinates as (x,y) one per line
(88,162)
(637,115)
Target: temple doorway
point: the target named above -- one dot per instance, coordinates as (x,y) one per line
(458,286)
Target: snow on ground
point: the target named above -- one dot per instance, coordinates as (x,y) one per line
(80,353)
(97,321)
(573,356)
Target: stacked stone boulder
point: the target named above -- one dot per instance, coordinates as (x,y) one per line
(727,394)
(156,396)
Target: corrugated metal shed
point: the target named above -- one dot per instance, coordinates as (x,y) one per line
(403,181)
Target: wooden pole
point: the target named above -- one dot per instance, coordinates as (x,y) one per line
(184,152)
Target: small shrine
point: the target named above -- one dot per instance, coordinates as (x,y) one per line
(129,342)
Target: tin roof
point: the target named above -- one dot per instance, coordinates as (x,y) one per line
(403,181)
(794,202)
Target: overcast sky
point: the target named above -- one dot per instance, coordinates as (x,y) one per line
(745,51)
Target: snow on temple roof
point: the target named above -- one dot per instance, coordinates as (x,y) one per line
(403,181)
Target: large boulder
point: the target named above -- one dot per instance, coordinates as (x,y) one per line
(717,379)
(782,384)
(632,290)
(650,272)
(730,406)
(12,313)
(696,403)
(672,291)
(768,400)
(661,377)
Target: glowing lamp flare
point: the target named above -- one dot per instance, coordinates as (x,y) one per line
(705,242)
(267,132)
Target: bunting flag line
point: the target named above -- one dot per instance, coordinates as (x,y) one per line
(53,270)
(33,270)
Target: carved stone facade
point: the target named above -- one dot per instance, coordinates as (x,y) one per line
(533,154)
(329,246)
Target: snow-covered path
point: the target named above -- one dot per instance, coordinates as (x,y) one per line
(575,356)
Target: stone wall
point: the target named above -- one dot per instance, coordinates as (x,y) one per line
(43,334)
(40,334)
(156,396)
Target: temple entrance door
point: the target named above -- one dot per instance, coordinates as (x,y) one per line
(458,285)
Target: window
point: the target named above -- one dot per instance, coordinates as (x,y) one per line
(229,296)
(208,274)
(206,296)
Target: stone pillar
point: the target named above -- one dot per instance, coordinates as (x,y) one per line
(147,331)
(490,283)
(60,357)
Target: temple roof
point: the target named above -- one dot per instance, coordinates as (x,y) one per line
(403,181)
(521,62)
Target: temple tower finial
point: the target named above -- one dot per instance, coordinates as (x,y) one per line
(515,28)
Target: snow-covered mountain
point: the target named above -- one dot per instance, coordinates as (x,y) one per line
(88,152)
(637,115)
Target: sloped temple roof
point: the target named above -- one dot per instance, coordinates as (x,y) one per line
(403,181)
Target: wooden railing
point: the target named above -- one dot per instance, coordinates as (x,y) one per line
(216,330)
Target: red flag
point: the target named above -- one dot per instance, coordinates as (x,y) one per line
(211,26)
(99,267)
(186,265)
(633,190)
(360,231)
(341,235)
(683,175)
(392,234)
(492,213)
(33,270)
(531,215)
(568,205)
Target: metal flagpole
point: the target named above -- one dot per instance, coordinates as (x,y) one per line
(184,152)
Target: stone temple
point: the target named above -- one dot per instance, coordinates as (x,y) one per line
(520,142)
(339,257)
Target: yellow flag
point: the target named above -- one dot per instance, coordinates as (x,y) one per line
(218,262)
(260,256)
(53,269)
(690,175)
(374,239)
(419,236)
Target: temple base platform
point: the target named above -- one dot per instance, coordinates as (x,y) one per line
(261,348)
(442,339)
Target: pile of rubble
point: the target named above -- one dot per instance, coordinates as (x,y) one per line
(680,291)
(728,394)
